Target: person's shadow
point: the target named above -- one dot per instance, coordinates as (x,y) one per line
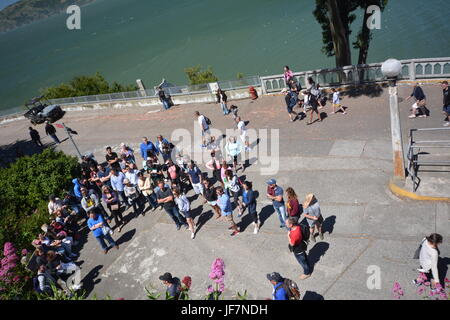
(316,252)
(89,280)
(328,224)
(265,213)
(127,236)
(203,218)
(311,295)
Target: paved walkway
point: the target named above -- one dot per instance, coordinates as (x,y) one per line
(345,161)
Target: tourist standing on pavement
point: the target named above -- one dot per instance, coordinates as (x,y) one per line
(234,149)
(214,166)
(242,129)
(163,98)
(288,75)
(291,102)
(210,195)
(311,101)
(249,202)
(100,231)
(111,199)
(166,198)
(222,100)
(204,126)
(446,107)
(184,207)
(132,195)
(428,257)
(223,201)
(311,209)
(195,177)
(337,102)
(117,179)
(278,293)
(275,193)
(147,146)
(112,159)
(145,186)
(234,189)
(35,137)
(294,209)
(298,246)
(51,131)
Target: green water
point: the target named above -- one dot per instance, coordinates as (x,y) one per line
(130,39)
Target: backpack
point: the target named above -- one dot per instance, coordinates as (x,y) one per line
(305,232)
(291,288)
(208,121)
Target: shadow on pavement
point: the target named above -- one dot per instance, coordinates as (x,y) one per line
(13,151)
(370,90)
(203,218)
(89,281)
(316,252)
(127,236)
(328,224)
(311,295)
(265,213)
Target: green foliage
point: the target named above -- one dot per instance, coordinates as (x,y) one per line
(24,192)
(197,76)
(243,296)
(86,86)
(62,295)
(239,75)
(152,295)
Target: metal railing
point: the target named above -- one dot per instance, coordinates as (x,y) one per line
(413,69)
(414,152)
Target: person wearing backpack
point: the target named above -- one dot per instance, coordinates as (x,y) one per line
(277,281)
(204,123)
(298,238)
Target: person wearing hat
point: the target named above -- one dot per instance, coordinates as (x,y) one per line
(313,215)
(173,285)
(275,193)
(278,293)
(51,131)
(446,107)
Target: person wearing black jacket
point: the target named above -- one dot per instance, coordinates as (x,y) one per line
(51,131)
(446,107)
(419,108)
(35,137)
(222,100)
(163,98)
(210,195)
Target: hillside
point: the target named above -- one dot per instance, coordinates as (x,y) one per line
(26,11)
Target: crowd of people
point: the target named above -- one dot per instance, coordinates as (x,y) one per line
(106,190)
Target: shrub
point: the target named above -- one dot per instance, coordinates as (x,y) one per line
(86,86)
(196,76)
(24,190)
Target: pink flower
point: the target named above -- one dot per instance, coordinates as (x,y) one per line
(24,252)
(420,290)
(16,279)
(221,287)
(187,281)
(446,280)
(210,289)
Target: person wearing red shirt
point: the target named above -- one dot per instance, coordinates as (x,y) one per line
(293,207)
(298,246)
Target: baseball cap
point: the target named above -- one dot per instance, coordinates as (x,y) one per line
(274,276)
(166,277)
(271,182)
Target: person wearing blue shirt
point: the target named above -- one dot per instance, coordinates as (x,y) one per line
(275,193)
(418,108)
(195,177)
(95,224)
(117,185)
(77,189)
(278,293)
(224,203)
(146,146)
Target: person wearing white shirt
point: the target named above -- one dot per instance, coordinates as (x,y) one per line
(428,257)
(205,129)
(54,204)
(242,129)
(337,102)
(132,174)
(185,209)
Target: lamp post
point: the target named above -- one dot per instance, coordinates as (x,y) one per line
(391,69)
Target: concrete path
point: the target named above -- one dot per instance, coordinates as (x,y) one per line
(345,161)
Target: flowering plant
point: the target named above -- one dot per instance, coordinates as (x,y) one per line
(217,274)
(13,276)
(424,289)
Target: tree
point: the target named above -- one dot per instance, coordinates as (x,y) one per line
(196,76)
(335,18)
(86,86)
